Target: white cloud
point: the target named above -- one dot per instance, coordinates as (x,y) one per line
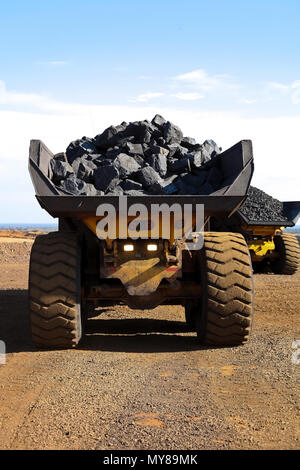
(202,80)
(144,97)
(15,99)
(292,90)
(144,77)
(246,101)
(188,96)
(53,63)
(296,92)
(278,87)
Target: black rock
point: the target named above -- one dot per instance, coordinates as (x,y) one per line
(73,185)
(158,121)
(85,172)
(80,147)
(148,131)
(102,160)
(161,141)
(158,163)
(106,177)
(173,149)
(181,152)
(195,159)
(206,156)
(109,137)
(147,176)
(140,130)
(171,133)
(146,137)
(60,170)
(134,149)
(90,163)
(188,142)
(135,192)
(126,164)
(117,191)
(147,153)
(113,153)
(180,166)
(166,186)
(60,156)
(90,190)
(84,169)
(124,141)
(129,185)
(211,147)
(156,149)
(140,161)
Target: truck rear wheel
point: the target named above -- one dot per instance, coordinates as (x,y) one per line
(288,261)
(225,310)
(55,291)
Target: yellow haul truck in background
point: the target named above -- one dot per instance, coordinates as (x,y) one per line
(268,243)
(73,271)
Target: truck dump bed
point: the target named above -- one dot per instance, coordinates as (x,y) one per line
(291,213)
(277,222)
(236,165)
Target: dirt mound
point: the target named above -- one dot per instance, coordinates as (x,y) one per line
(19,234)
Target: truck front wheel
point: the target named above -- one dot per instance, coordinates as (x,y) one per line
(225,310)
(55,291)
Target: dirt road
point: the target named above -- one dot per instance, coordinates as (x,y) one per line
(140,381)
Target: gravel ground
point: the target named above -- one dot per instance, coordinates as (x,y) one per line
(140,381)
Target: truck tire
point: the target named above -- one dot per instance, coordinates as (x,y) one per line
(225,311)
(55,291)
(288,261)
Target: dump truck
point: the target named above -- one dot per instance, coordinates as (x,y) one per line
(73,271)
(269,245)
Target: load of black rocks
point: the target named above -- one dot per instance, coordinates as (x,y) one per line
(138,158)
(261,207)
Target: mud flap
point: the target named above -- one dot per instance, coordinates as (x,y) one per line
(142,276)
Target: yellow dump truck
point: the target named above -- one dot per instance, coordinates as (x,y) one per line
(269,244)
(73,270)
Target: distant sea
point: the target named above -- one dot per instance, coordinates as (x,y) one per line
(29,227)
(53,227)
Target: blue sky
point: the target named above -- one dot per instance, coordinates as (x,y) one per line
(221,69)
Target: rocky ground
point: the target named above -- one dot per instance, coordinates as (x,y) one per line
(140,381)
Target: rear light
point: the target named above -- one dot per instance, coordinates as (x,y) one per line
(152,247)
(128,247)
